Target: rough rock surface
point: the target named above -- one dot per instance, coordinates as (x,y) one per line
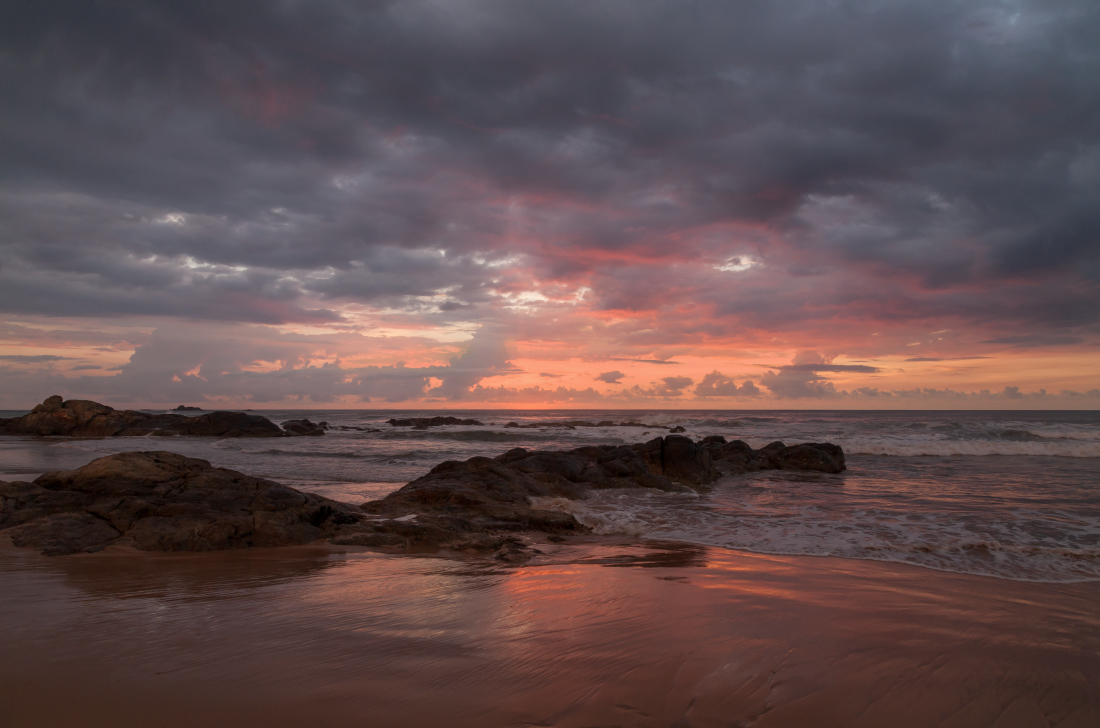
(84,418)
(431,422)
(493,494)
(161,501)
(737,457)
(304,427)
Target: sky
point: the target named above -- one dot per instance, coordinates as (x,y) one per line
(464,204)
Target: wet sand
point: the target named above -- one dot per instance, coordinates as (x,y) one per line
(592,635)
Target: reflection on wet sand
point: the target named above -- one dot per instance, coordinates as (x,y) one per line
(126,574)
(699,637)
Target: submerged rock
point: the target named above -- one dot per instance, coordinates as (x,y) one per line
(84,418)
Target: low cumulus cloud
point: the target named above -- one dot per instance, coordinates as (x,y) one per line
(665,388)
(613,377)
(717,384)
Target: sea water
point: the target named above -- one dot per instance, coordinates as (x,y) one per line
(1013,495)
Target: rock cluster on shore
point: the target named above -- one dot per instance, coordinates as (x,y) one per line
(160,501)
(84,418)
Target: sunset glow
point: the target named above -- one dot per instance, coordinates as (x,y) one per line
(290,211)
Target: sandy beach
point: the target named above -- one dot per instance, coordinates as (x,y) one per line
(598,634)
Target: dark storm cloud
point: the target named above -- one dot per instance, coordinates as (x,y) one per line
(642,361)
(861,368)
(234,161)
(947,358)
(32,359)
(1030,340)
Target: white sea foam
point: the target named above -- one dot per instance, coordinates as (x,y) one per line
(1023,545)
(1076,448)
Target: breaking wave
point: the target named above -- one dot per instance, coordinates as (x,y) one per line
(1041,447)
(1024,547)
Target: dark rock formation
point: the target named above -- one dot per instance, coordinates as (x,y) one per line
(431,422)
(678,429)
(574,424)
(304,427)
(225,424)
(185,408)
(493,494)
(160,501)
(737,457)
(84,418)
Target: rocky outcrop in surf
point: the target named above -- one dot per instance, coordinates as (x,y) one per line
(574,424)
(425,422)
(305,427)
(493,494)
(736,457)
(84,418)
(160,501)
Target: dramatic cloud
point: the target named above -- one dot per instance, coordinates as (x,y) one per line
(717,384)
(35,358)
(706,186)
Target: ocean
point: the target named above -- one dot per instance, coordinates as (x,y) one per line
(1011,495)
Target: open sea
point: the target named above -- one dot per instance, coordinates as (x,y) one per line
(1012,495)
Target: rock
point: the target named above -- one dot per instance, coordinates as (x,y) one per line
(822,457)
(424,422)
(304,427)
(64,533)
(494,493)
(678,428)
(161,501)
(227,424)
(738,457)
(185,408)
(51,404)
(713,439)
(684,461)
(573,424)
(84,418)
(540,425)
(515,552)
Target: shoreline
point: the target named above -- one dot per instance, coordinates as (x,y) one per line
(548,548)
(648,634)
